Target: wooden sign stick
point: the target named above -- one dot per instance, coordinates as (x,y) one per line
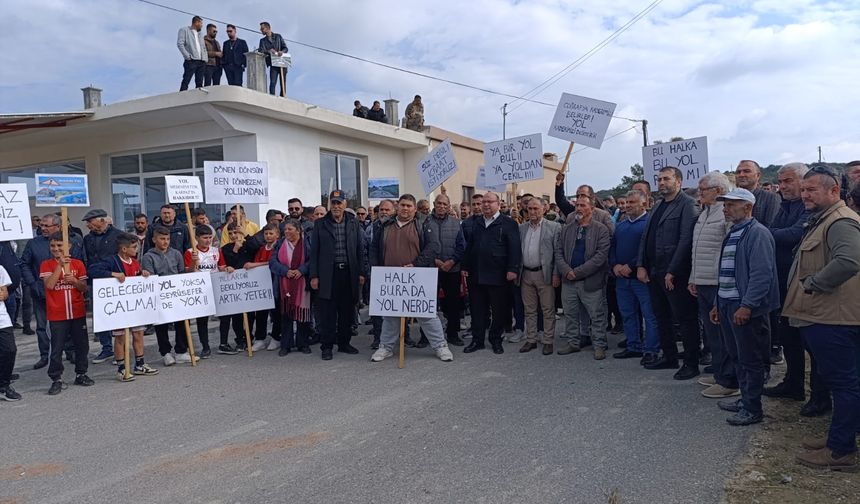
(402,340)
(64,217)
(128,363)
(193,247)
(190,343)
(283,80)
(567,158)
(247,335)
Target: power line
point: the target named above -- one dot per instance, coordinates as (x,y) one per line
(591,52)
(607,138)
(377,63)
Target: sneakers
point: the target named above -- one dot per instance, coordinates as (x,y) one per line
(707,381)
(743,418)
(776,356)
(825,459)
(169,360)
(144,370)
(384,353)
(57,387)
(732,406)
(259,345)
(273,345)
(717,391)
(84,380)
(185,358)
(205,353)
(226,349)
(516,337)
(120,376)
(9,394)
(444,354)
(103,356)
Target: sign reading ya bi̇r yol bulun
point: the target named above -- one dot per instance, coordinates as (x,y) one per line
(514,160)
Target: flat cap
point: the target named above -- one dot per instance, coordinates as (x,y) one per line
(94,214)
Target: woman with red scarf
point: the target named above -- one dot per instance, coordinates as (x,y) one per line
(289,264)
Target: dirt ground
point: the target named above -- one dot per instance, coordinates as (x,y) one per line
(769,474)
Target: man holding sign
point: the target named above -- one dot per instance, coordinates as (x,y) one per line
(403,243)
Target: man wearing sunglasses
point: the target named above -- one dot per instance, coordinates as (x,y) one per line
(822,301)
(234,57)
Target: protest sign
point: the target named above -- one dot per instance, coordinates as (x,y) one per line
(514,160)
(285,60)
(689,156)
(243,291)
(437,166)
(14,213)
(481,182)
(62,190)
(403,292)
(183,189)
(581,120)
(231,182)
(383,188)
(120,305)
(185,296)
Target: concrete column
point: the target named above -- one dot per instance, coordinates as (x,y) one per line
(92,97)
(392,111)
(256,69)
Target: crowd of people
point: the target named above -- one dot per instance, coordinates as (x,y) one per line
(206,59)
(738,274)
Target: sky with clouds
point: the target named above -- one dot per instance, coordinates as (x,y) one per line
(769,80)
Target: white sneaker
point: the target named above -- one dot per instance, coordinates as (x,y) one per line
(258,345)
(169,360)
(273,345)
(517,336)
(381,354)
(444,354)
(185,358)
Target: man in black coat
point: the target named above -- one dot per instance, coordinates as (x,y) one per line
(179,237)
(492,260)
(99,245)
(338,269)
(233,61)
(665,261)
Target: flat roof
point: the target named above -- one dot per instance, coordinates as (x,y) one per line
(18,122)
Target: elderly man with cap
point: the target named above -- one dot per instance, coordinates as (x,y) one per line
(338,269)
(746,295)
(35,252)
(99,245)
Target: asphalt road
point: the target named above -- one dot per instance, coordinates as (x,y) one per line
(269,429)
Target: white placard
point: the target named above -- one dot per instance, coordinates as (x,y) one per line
(243,291)
(403,292)
(14,213)
(231,182)
(689,156)
(481,182)
(513,160)
(184,297)
(581,120)
(183,189)
(118,305)
(285,60)
(437,166)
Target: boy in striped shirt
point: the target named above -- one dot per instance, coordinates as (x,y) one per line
(66,313)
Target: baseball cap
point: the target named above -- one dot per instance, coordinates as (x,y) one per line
(738,194)
(337,195)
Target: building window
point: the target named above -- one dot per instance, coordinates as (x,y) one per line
(340,171)
(137,182)
(468,192)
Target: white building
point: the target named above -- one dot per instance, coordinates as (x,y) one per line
(126,149)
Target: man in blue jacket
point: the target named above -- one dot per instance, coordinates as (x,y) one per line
(747,293)
(37,250)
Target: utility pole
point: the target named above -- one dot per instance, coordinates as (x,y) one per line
(644,132)
(504,119)
(819,153)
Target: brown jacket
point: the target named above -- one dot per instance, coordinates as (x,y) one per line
(597,240)
(840,306)
(212,47)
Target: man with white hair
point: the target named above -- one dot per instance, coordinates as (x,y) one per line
(711,228)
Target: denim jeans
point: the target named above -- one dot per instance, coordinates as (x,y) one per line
(724,372)
(575,299)
(106,341)
(748,348)
(290,338)
(191,68)
(274,78)
(432,328)
(835,349)
(634,301)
